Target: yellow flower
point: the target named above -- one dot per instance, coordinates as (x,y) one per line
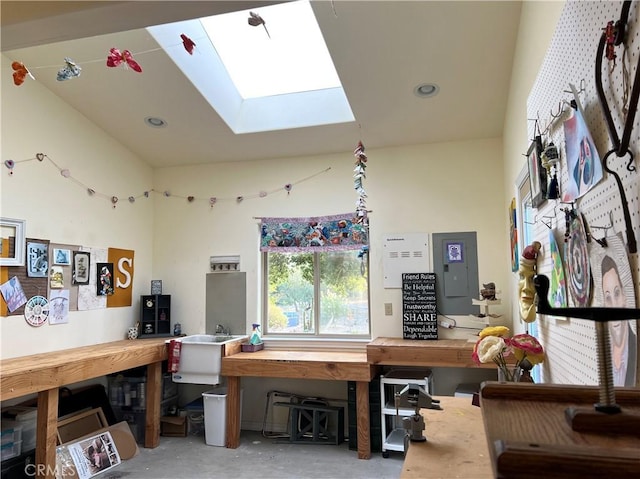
(501,331)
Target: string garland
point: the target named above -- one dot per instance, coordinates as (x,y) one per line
(114,199)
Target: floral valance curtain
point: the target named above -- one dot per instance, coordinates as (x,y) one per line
(322,233)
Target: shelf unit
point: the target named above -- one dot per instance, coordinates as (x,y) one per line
(485,304)
(155,315)
(393,432)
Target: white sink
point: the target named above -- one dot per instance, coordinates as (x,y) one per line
(200,357)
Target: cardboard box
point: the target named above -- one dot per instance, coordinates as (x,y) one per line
(173,426)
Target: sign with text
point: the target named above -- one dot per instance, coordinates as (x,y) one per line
(419,312)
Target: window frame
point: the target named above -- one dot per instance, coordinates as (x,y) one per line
(317,335)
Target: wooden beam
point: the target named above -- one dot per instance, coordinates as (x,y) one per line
(46,434)
(154,398)
(233,412)
(362,420)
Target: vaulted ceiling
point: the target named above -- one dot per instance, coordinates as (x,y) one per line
(381,49)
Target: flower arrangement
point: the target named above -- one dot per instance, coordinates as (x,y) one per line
(494,344)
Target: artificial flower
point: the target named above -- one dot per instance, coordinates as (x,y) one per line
(495,345)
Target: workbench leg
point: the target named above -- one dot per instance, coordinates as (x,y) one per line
(46,434)
(154,397)
(363,424)
(233,412)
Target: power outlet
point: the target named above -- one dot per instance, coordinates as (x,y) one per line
(388,309)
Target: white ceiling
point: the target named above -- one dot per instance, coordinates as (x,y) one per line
(381,50)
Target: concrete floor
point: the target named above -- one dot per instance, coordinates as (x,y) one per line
(256,458)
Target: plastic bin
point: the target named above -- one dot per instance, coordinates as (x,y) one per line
(215,416)
(11,432)
(9,450)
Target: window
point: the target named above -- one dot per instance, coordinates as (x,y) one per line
(316,294)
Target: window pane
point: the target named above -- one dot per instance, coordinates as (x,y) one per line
(344,296)
(290,307)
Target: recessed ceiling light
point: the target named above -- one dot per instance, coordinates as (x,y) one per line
(426,90)
(155,122)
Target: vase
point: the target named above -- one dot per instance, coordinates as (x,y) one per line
(511,377)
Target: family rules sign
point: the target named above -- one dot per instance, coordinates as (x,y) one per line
(419,312)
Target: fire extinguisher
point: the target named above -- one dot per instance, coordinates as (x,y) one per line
(174,355)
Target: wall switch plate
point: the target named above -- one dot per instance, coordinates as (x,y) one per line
(388,309)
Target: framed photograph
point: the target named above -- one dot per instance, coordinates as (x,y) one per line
(81,264)
(537,174)
(38,260)
(12,242)
(61,256)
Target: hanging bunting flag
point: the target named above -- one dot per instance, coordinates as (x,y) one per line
(125,58)
(187,43)
(69,71)
(19,73)
(255,20)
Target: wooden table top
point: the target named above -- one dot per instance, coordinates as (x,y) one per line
(456,446)
(348,366)
(433,353)
(39,372)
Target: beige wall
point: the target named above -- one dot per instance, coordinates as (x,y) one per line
(538,21)
(57,209)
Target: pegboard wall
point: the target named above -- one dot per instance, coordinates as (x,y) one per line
(571,59)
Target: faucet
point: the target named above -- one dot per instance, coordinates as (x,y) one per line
(220,329)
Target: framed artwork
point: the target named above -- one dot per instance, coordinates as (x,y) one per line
(61,256)
(37,260)
(537,174)
(11,242)
(81,263)
(156,286)
(104,283)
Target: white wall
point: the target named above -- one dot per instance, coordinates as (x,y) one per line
(427,188)
(57,209)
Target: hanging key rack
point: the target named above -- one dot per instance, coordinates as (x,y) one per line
(614,36)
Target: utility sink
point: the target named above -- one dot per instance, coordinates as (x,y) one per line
(201,355)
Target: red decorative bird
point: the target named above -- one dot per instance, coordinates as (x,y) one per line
(188,43)
(19,73)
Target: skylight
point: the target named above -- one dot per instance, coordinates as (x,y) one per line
(265,77)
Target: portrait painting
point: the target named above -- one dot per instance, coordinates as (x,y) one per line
(613,288)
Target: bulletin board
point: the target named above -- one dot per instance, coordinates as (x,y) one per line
(571,59)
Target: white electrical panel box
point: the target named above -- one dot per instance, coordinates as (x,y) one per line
(404,253)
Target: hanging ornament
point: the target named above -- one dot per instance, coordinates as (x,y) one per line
(91,191)
(262,194)
(69,71)
(66,173)
(146,194)
(10,164)
(549,157)
(125,58)
(288,187)
(212,201)
(190,199)
(256,20)
(20,72)
(239,199)
(167,194)
(187,43)
(358,177)
(114,200)
(40,156)
(132,199)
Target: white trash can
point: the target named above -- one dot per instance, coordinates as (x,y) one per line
(215,416)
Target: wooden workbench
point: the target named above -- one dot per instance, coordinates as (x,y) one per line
(345,366)
(456,445)
(454,353)
(529,435)
(45,373)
